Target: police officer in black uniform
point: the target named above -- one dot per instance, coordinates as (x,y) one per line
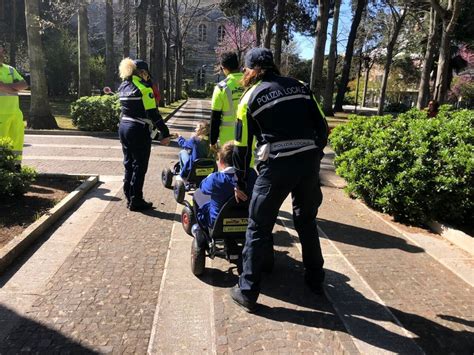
(139,116)
(291,132)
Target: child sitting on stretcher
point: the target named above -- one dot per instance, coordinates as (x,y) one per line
(219,187)
(194,148)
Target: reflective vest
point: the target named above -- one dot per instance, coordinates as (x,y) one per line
(241,123)
(148,96)
(9,103)
(136,98)
(225,99)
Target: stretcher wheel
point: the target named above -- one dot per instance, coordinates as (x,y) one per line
(179,191)
(198,258)
(187,219)
(167,177)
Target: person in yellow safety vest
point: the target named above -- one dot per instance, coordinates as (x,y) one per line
(225,100)
(11,117)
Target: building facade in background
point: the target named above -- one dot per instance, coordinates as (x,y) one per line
(200,59)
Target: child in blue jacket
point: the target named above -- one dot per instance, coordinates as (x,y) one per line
(220,186)
(194,148)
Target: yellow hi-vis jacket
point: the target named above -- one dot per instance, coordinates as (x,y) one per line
(225,99)
(9,103)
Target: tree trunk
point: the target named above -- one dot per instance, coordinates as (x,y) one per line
(258,26)
(316,81)
(141,29)
(329,89)
(279,32)
(441,84)
(168,58)
(13,36)
(126,28)
(366,83)
(178,73)
(172,82)
(83,51)
(269,22)
(349,53)
(109,44)
(449,17)
(397,25)
(40,111)
(428,61)
(177,53)
(157,60)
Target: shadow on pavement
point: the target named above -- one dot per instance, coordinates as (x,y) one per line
(162,215)
(286,284)
(469,323)
(366,319)
(100,193)
(365,238)
(349,234)
(220,278)
(435,338)
(26,335)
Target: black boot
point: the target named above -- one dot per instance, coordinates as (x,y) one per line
(139,205)
(239,299)
(315,285)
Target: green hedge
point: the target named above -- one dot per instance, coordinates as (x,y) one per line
(96,113)
(12,181)
(412,167)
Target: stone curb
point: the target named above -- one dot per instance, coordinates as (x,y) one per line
(69,132)
(455,236)
(21,242)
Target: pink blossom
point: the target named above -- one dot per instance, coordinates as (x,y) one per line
(237,39)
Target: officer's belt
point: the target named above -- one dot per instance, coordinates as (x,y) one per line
(284,148)
(4,94)
(142,121)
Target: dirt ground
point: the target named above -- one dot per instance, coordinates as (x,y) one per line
(16,214)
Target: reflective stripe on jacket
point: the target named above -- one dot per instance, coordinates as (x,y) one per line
(225,99)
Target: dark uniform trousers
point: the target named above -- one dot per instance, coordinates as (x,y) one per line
(136,147)
(298,175)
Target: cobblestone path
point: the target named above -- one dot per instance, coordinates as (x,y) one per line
(123,283)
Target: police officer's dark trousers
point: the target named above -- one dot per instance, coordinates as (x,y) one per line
(298,175)
(136,146)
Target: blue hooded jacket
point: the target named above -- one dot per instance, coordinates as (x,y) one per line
(197,148)
(220,186)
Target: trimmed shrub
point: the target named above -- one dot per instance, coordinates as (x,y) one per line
(414,168)
(12,181)
(96,113)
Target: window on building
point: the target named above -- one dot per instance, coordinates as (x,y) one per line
(202,32)
(220,33)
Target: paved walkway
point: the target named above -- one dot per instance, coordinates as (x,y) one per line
(107,280)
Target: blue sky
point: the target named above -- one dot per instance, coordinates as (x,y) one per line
(306,44)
